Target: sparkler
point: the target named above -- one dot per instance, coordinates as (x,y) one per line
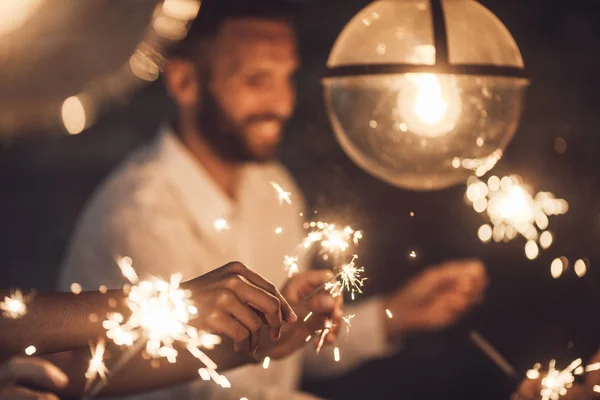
(15,305)
(160,315)
(332,240)
(556,382)
(291,265)
(96,366)
(282,194)
(348,278)
(322,333)
(513,210)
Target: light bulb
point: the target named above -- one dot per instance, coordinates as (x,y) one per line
(429,104)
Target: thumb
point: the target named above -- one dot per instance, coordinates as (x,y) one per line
(35,371)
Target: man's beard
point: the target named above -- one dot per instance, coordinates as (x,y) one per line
(225,136)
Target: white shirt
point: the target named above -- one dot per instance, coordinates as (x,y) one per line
(160,207)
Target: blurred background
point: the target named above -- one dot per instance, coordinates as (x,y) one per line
(47,175)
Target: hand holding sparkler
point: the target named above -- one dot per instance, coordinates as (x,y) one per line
(234,300)
(312,313)
(436,298)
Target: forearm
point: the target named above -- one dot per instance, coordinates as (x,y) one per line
(58,322)
(138,375)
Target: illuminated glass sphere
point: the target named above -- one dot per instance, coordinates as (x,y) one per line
(422,94)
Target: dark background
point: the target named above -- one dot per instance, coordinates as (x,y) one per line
(528,316)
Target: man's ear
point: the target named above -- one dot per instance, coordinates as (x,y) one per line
(181,81)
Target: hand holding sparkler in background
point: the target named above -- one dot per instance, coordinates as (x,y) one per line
(312,313)
(436,298)
(548,386)
(234,300)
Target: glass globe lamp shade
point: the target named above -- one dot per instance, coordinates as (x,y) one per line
(423,93)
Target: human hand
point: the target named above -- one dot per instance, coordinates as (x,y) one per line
(237,302)
(436,298)
(33,372)
(322,305)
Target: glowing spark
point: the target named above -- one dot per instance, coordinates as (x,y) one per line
(266,362)
(323,332)
(96,366)
(221,224)
(556,383)
(556,268)
(278,230)
(592,367)
(103,289)
(513,210)
(308,316)
(30,350)
(580,268)
(336,354)
(160,315)
(349,279)
(282,194)
(15,305)
(76,288)
(347,320)
(291,265)
(597,388)
(389,313)
(413,254)
(331,239)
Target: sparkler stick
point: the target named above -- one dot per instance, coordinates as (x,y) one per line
(317,290)
(493,354)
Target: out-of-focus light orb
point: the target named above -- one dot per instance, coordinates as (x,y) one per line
(73,115)
(531,250)
(14,13)
(419,129)
(556,268)
(580,268)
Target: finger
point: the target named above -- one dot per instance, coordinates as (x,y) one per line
(286,310)
(301,285)
(244,315)
(322,303)
(35,371)
(261,300)
(223,323)
(17,392)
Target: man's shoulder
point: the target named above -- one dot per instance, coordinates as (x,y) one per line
(138,187)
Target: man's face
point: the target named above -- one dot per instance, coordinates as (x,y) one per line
(248,93)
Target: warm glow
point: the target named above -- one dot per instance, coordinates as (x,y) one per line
(170,28)
(389,313)
(14,13)
(266,362)
(580,268)
(531,250)
(221,224)
(485,233)
(14,305)
(546,239)
(30,350)
(336,354)
(75,288)
(73,115)
(556,268)
(429,104)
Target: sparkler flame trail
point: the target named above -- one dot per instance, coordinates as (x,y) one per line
(556,382)
(349,279)
(282,194)
(15,305)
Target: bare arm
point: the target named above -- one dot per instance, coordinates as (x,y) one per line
(58,322)
(138,375)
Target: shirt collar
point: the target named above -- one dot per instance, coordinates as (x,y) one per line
(203,198)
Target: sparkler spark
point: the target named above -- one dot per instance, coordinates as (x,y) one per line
(323,332)
(348,278)
(291,265)
(331,239)
(513,210)
(96,366)
(556,383)
(160,315)
(282,194)
(347,320)
(15,305)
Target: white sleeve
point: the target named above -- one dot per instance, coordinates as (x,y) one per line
(365,341)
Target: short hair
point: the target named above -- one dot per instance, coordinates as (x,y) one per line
(213,13)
